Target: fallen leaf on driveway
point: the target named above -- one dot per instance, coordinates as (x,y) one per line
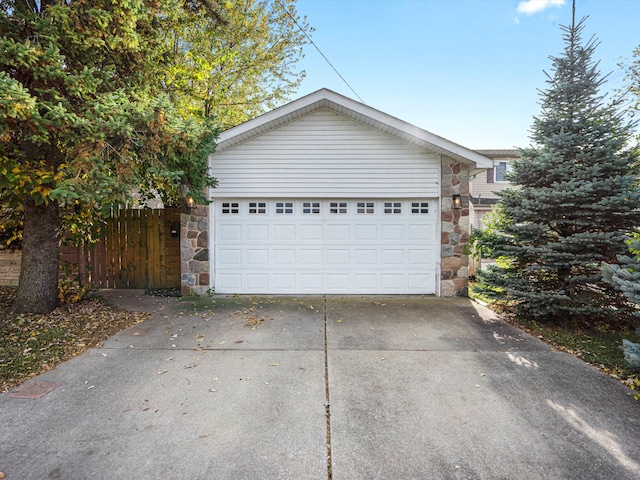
(163,371)
(274,364)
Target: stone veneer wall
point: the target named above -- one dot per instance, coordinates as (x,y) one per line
(454,264)
(194,250)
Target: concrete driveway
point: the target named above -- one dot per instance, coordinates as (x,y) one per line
(313,388)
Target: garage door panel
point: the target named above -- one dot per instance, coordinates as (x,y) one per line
(392,282)
(420,280)
(257,232)
(257,257)
(310,282)
(365,257)
(338,232)
(310,232)
(257,281)
(392,257)
(232,232)
(345,248)
(338,281)
(392,232)
(420,232)
(365,232)
(283,257)
(338,257)
(284,232)
(284,282)
(230,258)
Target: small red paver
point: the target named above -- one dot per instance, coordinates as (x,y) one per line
(34,390)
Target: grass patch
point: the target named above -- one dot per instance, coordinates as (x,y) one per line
(33,343)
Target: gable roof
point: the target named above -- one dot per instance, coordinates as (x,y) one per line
(357,111)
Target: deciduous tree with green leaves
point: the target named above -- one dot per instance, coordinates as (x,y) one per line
(82,121)
(239,61)
(577,201)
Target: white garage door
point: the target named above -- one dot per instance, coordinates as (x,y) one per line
(321,246)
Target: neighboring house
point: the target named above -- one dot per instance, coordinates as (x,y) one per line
(484,185)
(328,195)
(482,193)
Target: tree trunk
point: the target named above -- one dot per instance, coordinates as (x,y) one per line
(38,286)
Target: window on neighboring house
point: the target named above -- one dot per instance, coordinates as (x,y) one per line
(284,207)
(230,207)
(501,168)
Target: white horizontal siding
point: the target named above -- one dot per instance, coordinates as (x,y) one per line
(325,154)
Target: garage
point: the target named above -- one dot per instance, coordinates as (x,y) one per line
(284,246)
(328,195)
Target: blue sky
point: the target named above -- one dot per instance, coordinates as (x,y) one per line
(467,70)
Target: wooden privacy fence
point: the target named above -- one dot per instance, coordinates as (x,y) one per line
(141,249)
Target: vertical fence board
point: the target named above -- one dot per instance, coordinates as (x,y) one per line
(138,251)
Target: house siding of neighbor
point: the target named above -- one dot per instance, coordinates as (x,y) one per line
(327,195)
(485,184)
(483,190)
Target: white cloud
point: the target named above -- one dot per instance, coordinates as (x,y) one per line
(529,7)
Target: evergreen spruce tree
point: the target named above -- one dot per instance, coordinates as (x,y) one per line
(576,199)
(626,278)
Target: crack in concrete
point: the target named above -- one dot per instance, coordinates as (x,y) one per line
(327,402)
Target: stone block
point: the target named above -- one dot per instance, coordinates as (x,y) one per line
(447,274)
(456,168)
(203,224)
(451,263)
(203,239)
(447,288)
(444,238)
(204,279)
(463,272)
(446,251)
(186,253)
(188,280)
(460,283)
(447,227)
(202,211)
(454,238)
(202,255)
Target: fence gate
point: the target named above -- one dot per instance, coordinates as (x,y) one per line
(141,249)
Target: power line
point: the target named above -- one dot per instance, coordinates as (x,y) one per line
(318,49)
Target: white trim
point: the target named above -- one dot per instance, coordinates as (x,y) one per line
(212,245)
(439,231)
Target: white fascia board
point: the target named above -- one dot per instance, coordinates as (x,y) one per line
(356,110)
